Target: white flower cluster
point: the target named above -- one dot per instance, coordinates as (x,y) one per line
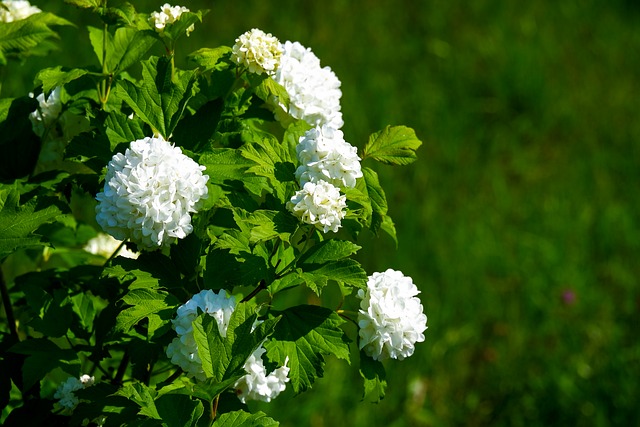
(320,204)
(314,91)
(324,155)
(15,10)
(183,350)
(105,245)
(391,317)
(257,384)
(149,193)
(168,15)
(65,391)
(49,108)
(260,52)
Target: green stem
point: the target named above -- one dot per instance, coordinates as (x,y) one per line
(256,291)
(213,407)
(115,253)
(8,308)
(346,313)
(103,83)
(121,369)
(286,269)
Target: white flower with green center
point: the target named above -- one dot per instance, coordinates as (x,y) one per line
(258,384)
(391,317)
(258,51)
(320,204)
(65,391)
(314,91)
(149,194)
(15,10)
(183,350)
(325,155)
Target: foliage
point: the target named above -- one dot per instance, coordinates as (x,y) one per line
(70,312)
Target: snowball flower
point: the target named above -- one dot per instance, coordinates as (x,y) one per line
(258,51)
(15,10)
(168,15)
(257,384)
(320,204)
(183,350)
(105,245)
(325,155)
(65,391)
(391,317)
(314,91)
(47,112)
(149,193)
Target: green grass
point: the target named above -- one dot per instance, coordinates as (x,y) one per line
(527,186)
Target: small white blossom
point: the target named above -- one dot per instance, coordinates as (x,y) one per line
(257,384)
(149,193)
(260,52)
(314,91)
(319,203)
(105,245)
(15,10)
(47,112)
(391,317)
(183,350)
(65,391)
(325,155)
(168,15)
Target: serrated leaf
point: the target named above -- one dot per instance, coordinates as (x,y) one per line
(267,89)
(262,225)
(143,396)
(378,198)
(44,356)
(211,58)
(94,4)
(227,164)
(223,357)
(330,250)
(179,410)
(19,223)
(394,145)
(304,335)
(57,76)
(129,47)
(344,271)
(374,376)
(275,161)
(146,303)
(244,419)
(121,129)
(179,28)
(162,98)
(29,36)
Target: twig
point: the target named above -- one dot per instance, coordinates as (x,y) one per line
(8,308)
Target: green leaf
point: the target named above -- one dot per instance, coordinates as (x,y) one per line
(128,48)
(394,145)
(123,15)
(224,357)
(374,376)
(267,88)
(244,419)
(275,161)
(161,99)
(29,36)
(262,225)
(212,58)
(179,28)
(179,410)
(94,4)
(52,77)
(330,250)
(378,203)
(344,271)
(19,223)
(227,164)
(142,395)
(146,303)
(304,335)
(120,129)
(44,356)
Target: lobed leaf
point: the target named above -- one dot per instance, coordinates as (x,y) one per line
(244,419)
(303,336)
(374,376)
(212,58)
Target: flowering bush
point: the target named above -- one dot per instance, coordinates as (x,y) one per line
(154,217)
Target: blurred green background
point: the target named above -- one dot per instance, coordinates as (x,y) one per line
(520,222)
